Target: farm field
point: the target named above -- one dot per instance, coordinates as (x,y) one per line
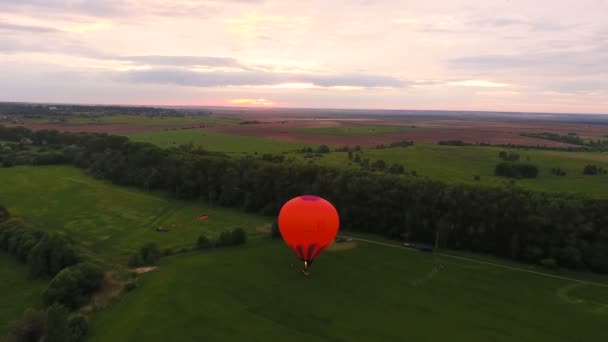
(19,292)
(217,142)
(459,164)
(251,293)
(109,221)
(453,164)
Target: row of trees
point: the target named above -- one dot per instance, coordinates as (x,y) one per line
(503,221)
(516,170)
(72,285)
(594,170)
(54,324)
(44,253)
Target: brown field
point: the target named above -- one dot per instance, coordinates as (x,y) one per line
(281,124)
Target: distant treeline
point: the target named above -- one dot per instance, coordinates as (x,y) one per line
(573,139)
(567,230)
(26,110)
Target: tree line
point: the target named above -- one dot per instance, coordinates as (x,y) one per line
(570,230)
(73,282)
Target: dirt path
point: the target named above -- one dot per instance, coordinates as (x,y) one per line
(492,264)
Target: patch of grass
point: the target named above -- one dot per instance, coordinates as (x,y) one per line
(214,141)
(354,130)
(18,292)
(111,222)
(459,164)
(367,293)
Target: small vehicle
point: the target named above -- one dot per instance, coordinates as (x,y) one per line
(419,246)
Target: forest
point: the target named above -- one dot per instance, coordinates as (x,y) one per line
(552,229)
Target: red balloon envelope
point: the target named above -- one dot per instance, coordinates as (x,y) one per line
(308,224)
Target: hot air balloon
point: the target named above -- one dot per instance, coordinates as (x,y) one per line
(308,224)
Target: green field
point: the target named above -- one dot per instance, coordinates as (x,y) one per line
(214,141)
(18,292)
(452,164)
(358,291)
(367,293)
(354,130)
(140,120)
(459,164)
(109,221)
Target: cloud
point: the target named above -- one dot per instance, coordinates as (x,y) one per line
(256,78)
(479,84)
(587,61)
(4,26)
(182,61)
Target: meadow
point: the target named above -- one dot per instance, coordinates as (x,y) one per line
(107,221)
(19,292)
(359,292)
(215,141)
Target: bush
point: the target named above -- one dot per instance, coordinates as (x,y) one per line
(596,257)
(323,149)
(239,237)
(570,257)
(130,286)
(30,328)
(57,329)
(549,263)
(275,232)
(203,242)
(593,170)
(73,286)
(148,255)
(78,326)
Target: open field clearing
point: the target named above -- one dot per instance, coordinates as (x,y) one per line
(109,221)
(217,142)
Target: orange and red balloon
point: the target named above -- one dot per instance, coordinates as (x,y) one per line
(308,224)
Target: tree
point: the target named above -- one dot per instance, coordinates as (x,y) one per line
(239,236)
(203,242)
(30,328)
(78,326)
(148,255)
(4,214)
(323,149)
(73,286)
(57,329)
(379,165)
(274,230)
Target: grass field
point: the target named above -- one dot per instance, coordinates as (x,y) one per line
(213,141)
(452,164)
(17,291)
(457,164)
(110,221)
(354,130)
(365,293)
(141,120)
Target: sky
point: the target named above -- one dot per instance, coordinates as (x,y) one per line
(497,55)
